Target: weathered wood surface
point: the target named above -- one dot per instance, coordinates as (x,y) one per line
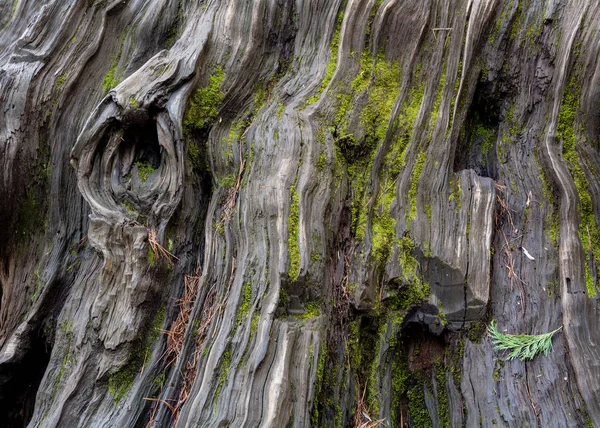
(357,188)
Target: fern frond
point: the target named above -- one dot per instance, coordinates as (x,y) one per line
(522,346)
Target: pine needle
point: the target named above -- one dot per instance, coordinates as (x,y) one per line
(522,346)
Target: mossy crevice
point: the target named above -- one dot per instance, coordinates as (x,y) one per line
(571,132)
(203,109)
(293,227)
(121,381)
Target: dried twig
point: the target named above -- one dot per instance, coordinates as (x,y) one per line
(189,374)
(229,204)
(158,250)
(176,334)
(361,416)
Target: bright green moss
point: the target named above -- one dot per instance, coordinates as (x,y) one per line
(244,306)
(378,81)
(293,224)
(314,416)
(383,92)
(120,382)
(225,365)
(503,16)
(174,29)
(312,310)
(395,158)
(133,102)
(400,379)
(144,170)
(567,130)
(417,290)
(384,229)
(228,181)
(321,162)
(204,105)
(113,78)
(280,110)
(442,396)
(484,136)
(129,207)
(331,64)
(517,26)
(260,98)
(456,194)
(417,409)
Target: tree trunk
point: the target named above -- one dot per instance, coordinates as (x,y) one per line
(298,213)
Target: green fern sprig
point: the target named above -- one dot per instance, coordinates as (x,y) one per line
(522,346)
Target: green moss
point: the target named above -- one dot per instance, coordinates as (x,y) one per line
(322,162)
(314,416)
(567,131)
(129,207)
(517,25)
(496,374)
(227,182)
(315,257)
(395,158)
(476,331)
(384,229)
(120,382)
(280,109)
(417,409)
(133,102)
(254,324)
(383,91)
(412,191)
(67,330)
(151,257)
(204,105)
(160,381)
(312,310)
(225,365)
(331,65)
(500,21)
(244,306)
(113,78)
(293,245)
(283,297)
(144,170)
(415,290)
(374,89)
(61,81)
(442,396)
(174,29)
(155,331)
(484,137)
(456,194)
